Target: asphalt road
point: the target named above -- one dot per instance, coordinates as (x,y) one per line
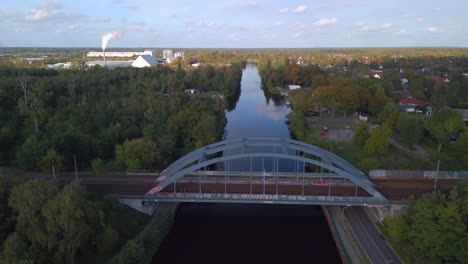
(369,237)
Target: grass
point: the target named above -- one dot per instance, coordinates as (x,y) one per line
(123,219)
(396,245)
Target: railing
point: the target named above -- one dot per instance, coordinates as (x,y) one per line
(268,198)
(418,174)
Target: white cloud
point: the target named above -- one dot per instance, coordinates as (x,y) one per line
(279,23)
(370,28)
(298,34)
(433,29)
(39,14)
(6,14)
(325,22)
(298,10)
(103,19)
(233,37)
(51,10)
(252,4)
(404,32)
(297,26)
(208,24)
(419,19)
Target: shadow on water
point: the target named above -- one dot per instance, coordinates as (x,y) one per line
(239,233)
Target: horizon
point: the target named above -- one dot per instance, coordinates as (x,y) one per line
(234,24)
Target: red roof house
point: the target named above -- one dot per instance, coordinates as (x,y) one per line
(410,101)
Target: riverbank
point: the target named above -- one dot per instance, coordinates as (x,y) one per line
(345,241)
(145,245)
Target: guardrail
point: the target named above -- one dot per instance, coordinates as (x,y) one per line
(418,174)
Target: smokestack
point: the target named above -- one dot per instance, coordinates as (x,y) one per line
(105,40)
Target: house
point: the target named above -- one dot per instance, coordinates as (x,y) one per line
(193,91)
(404,94)
(374,75)
(294,87)
(465,74)
(427,71)
(145,61)
(404,81)
(446,80)
(409,104)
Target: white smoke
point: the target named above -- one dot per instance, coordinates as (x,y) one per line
(108,37)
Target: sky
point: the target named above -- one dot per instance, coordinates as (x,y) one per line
(234,23)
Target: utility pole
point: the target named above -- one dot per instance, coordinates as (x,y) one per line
(53,171)
(76,171)
(437,174)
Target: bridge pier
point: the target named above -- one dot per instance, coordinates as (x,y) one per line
(138,204)
(380,213)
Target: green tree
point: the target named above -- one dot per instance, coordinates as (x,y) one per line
(6,214)
(50,160)
(135,153)
(369,164)
(97,165)
(390,115)
(16,250)
(362,134)
(300,101)
(395,227)
(443,124)
(106,241)
(71,221)
(411,129)
(378,141)
(378,101)
(27,201)
(434,227)
(132,253)
(204,132)
(30,153)
(459,150)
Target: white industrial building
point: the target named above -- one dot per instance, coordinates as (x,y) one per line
(168,56)
(179,55)
(145,61)
(119,54)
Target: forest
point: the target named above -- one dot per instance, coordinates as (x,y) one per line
(433,229)
(117,119)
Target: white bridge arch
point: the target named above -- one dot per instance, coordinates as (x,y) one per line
(192,164)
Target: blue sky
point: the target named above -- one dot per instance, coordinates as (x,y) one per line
(234,23)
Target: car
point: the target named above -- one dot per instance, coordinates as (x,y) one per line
(325,128)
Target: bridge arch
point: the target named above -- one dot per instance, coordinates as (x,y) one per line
(285,149)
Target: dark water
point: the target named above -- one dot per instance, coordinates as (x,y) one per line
(241,233)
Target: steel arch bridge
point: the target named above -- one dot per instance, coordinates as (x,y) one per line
(320,177)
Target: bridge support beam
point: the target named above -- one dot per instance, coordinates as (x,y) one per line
(138,204)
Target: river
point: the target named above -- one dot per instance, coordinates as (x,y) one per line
(240,233)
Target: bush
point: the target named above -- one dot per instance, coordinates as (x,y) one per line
(369,164)
(107,241)
(131,253)
(97,165)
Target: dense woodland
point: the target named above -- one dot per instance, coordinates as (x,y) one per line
(46,222)
(124,118)
(434,229)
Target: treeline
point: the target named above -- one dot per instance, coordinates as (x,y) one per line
(124,118)
(434,228)
(44,222)
(277,73)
